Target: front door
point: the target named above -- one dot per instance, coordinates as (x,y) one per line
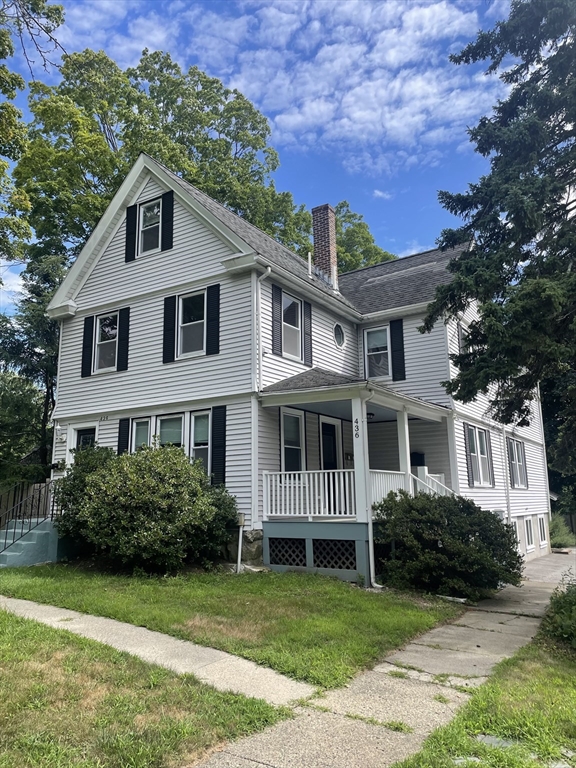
(329,446)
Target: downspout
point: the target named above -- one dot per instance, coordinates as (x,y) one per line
(506,475)
(371,559)
(260,349)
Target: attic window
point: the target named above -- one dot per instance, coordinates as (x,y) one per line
(150,225)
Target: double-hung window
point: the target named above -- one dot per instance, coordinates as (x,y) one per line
(150,225)
(106,342)
(479,460)
(192,324)
(377,354)
(200,438)
(292,441)
(542,531)
(291,326)
(170,430)
(140,433)
(529,534)
(517,462)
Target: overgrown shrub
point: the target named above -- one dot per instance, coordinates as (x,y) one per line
(560,533)
(70,490)
(153,509)
(560,620)
(445,545)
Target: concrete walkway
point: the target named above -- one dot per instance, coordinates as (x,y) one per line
(420,687)
(221,670)
(383,716)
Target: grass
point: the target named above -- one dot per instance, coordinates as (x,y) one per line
(311,628)
(68,702)
(530,699)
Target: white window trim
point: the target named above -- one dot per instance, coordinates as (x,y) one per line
(114,367)
(140,228)
(200,352)
(542,525)
(185,436)
(483,483)
(71,437)
(338,424)
(334,336)
(302,416)
(366,355)
(516,530)
(193,414)
(300,329)
(149,419)
(530,547)
(514,463)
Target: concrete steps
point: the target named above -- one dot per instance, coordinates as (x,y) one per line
(37,545)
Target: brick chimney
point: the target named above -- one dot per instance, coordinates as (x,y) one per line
(324,228)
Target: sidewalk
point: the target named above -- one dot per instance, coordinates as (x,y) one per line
(345,733)
(383,716)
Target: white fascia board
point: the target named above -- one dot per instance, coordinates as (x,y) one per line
(316,395)
(409,309)
(241,262)
(66,309)
(397,402)
(309,291)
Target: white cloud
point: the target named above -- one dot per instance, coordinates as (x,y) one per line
(414,247)
(11,286)
(369,82)
(382,194)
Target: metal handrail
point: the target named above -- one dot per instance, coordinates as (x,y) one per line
(27,514)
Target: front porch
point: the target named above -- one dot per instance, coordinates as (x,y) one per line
(343,447)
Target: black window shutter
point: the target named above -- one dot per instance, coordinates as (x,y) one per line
(468,457)
(87,346)
(219,444)
(490,460)
(213,320)
(397,350)
(131,232)
(277,320)
(167,220)
(307,334)
(510,469)
(123,436)
(169,339)
(123,339)
(524,462)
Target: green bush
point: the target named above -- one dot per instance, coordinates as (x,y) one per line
(152,509)
(444,545)
(560,533)
(70,490)
(560,620)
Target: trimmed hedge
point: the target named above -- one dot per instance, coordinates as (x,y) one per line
(445,545)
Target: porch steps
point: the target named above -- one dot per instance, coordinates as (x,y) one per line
(34,547)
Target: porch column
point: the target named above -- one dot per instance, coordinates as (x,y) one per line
(404,447)
(361,460)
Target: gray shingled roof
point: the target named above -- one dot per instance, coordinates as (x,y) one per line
(315,377)
(259,241)
(398,283)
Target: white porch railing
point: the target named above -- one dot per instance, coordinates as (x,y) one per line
(382,482)
(330,493)
(436,486)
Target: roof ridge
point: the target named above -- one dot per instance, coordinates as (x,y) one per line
(396,260)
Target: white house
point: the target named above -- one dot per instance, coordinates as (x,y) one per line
(310,395)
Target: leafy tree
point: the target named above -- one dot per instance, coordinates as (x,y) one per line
(520,219)
(354,241)
(31,23)
(20,429)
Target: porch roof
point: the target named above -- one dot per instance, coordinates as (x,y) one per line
(320,385)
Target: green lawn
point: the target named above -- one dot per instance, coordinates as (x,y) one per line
(530,699)
(67,702)
(311,628)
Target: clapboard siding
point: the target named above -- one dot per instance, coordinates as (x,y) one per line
(428,438)
(425,361)
(268,447)
(239,456)
(534,499)
(148,381)
(312,441)
(480,407)
(197,252)
(325,353)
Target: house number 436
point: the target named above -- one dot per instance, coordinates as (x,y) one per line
(356,428)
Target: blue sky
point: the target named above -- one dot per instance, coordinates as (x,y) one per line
(362,100)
